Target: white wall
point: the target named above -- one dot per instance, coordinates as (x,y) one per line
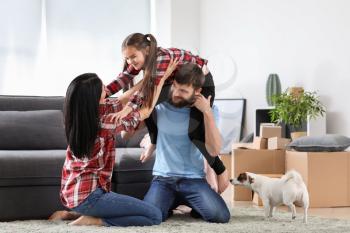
(176,23)
(306,42)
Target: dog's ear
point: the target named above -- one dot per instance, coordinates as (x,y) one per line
(242,177)
(251,179)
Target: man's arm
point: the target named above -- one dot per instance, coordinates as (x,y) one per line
(213,140)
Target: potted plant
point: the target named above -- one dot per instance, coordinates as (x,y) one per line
(294,109)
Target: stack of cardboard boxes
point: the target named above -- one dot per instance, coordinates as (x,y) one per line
(256,157)
(326,174)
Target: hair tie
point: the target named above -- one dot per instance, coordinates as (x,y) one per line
(148,38)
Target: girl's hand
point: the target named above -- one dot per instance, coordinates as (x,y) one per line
(171,67)
(205,70)
(116,117)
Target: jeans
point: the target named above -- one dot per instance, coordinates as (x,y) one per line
(119,210)
(166,191)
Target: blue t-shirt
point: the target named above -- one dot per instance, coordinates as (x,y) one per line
(176,155)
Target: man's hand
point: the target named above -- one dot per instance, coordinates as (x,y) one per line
(202,103)
(149,148)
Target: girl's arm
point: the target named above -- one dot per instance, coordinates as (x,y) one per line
(145,112)
(122,80)
(124,98)
(132,120)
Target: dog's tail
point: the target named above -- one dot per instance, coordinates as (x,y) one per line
(293,175)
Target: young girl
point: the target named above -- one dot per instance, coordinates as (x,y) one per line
(141,53)
(87,171)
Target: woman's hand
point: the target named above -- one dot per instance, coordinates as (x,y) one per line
(116,117)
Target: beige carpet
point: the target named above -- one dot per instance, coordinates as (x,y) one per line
(242,220)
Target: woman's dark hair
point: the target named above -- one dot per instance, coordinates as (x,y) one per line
(81,113)
(141,42)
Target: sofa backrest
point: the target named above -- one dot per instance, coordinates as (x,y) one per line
(36,122)
(30,103)
(31,123)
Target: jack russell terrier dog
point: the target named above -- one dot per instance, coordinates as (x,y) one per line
(289,189)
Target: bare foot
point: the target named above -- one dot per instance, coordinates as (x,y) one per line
(64,215)
(87,221)
(147,152)
(182,209)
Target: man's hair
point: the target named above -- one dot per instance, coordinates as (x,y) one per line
(190,74)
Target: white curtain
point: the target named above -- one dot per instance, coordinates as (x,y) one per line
(44,44)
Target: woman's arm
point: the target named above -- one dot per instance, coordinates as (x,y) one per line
(127,135)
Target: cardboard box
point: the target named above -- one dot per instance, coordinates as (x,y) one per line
(258,143)
(270,131)
(256,161)
(256,199)
(277,143)
(326,175)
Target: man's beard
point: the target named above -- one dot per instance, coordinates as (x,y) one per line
(183,102)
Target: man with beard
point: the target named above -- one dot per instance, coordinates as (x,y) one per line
(178,171)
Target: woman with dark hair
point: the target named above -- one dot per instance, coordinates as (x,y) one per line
(87,171)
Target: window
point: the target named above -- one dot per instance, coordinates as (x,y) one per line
(45,44)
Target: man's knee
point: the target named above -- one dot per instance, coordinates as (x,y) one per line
(164,212)
(224,216)
(218,216)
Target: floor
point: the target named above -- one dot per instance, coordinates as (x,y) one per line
(339,212)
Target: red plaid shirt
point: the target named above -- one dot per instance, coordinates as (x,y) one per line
(80,177)
(163,59)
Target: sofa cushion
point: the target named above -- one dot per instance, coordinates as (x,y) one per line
(330,142)
(44,167)
(32,130)
(31,167)
(133,142)
(28,103)
(129,168)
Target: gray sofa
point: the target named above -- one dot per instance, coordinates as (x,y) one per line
(32,152)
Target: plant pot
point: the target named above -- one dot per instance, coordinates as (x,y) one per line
(292,129)
(295,135)
(296,91)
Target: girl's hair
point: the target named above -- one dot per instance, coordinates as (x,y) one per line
(81,113)
(141,42)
